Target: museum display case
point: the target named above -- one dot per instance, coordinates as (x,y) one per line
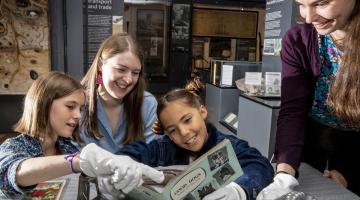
(224,73)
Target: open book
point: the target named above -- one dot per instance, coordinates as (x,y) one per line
(46,190)
(214,169)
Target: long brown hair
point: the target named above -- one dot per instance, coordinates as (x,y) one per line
(135,127)
(188,95)
(344,96)
(38,100)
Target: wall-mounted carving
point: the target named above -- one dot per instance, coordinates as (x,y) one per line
(24,44)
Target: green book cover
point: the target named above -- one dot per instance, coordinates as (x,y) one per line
(214,169)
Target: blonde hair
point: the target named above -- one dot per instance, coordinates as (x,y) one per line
(38,100)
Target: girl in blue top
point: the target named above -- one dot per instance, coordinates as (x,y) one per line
(187,136)
(52,111)
(49,122)
(118,110)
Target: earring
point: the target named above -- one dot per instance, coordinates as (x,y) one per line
(99,80)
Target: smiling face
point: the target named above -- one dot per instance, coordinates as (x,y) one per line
(120,74)
(185,125)
(327,16)
(65,113)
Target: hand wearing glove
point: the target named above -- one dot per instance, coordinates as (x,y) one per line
(282,184)
(124,173)
(106,187)
(232,191)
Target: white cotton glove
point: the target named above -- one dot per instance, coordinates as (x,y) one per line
(121,171)
(232,191)
(107,188)
(281,185)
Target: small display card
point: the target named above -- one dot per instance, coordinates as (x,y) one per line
(229,118)
(253,78)
(227,75)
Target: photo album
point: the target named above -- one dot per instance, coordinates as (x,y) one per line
(214,169)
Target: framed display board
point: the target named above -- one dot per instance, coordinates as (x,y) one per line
(224,23)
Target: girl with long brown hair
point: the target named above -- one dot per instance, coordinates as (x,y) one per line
(119,110)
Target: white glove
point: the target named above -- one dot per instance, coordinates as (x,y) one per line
(124,173)
(107,188)
(232,191)
(281,185)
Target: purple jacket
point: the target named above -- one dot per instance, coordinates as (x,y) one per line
(300,70)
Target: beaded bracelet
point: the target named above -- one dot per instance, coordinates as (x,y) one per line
(69,160)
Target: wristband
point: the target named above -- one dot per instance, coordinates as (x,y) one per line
(69,160)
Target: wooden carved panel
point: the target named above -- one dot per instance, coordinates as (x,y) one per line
(24,44)
(224,23)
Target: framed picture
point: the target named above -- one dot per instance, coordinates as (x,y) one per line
(224,23)
(180,21)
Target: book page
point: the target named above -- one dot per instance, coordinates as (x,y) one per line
(212,170)
(46,190)
(170,172)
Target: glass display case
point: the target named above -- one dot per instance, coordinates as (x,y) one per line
(224,73)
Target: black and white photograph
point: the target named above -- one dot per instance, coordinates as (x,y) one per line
(180,21)
(224,174)
(218,158)
(205,190)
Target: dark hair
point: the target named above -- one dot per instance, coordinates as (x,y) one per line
(344,96)
(188,95)
(38,100)
(135,127)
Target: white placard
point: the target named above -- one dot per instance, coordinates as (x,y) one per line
(269,47)
(227,75)
(230,117)
(253,78)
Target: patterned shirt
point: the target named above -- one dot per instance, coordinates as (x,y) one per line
(15,150)
(330,60)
